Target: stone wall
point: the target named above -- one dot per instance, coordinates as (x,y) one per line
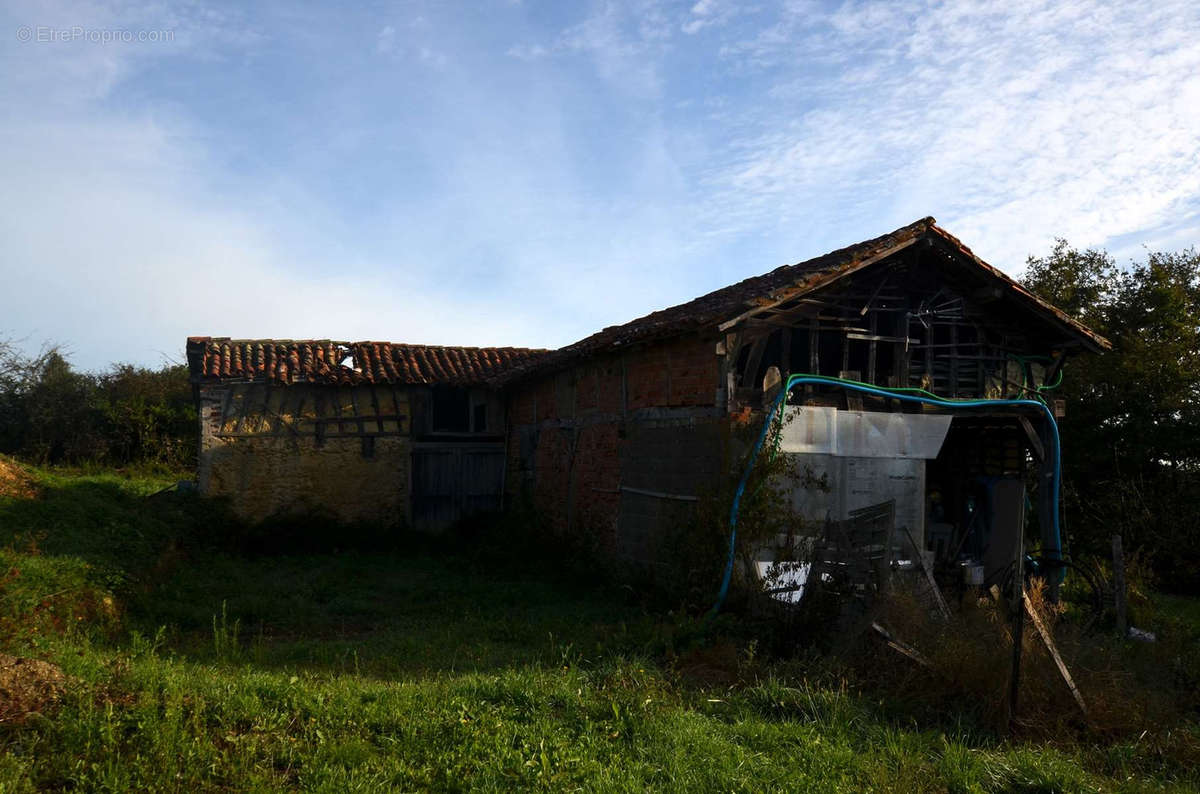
(273,463)
(617,449)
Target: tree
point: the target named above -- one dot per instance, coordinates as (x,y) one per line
(1132,434)
(19,373)
(50,413)
(61,414)
(149,414)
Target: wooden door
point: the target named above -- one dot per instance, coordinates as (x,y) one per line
(452,481)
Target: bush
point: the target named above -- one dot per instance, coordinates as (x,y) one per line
(49,413)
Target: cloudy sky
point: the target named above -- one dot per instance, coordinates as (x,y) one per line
(524,173)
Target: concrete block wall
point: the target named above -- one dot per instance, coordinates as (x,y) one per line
(646,418)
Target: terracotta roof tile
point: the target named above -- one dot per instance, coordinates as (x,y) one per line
(288,361)
(320,361)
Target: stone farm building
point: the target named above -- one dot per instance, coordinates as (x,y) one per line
(618,436)
(362,432)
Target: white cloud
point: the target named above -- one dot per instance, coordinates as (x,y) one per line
(116,245)
(544,208)
(1012,122)
(707,14)
(385,40)
(127,231)
(624,41)
(125,256)
(528,52)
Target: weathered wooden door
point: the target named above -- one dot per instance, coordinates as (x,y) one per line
(452,481)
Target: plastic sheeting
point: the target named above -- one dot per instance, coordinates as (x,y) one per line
(834,486)
(862,434)
(851,460)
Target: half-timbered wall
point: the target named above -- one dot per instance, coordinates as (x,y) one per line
(301,449)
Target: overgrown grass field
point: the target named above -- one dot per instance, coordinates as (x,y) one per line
(186,666)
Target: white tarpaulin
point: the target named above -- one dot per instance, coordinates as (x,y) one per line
(855,459)
(854,483)
(852,460)
(862,434)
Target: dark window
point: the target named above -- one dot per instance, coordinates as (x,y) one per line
(801,356)
(451,410)
(858,357)
(480,418)
(885,363)
(829,350)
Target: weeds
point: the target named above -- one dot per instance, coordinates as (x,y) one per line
(226,647)
(1121,682)
(439,669)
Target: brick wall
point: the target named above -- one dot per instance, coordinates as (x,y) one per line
(645,419)
(577,440)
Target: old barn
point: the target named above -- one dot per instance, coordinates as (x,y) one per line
(618,436)
(361,432)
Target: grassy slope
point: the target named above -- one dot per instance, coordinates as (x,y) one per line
(428,670)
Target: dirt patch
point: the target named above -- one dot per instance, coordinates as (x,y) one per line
(715,665)
(14,482)
(27,688)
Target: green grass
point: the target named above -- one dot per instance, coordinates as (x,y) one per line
(435,668)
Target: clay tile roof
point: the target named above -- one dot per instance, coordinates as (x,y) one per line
(288,361)
(790,281)
(323,361)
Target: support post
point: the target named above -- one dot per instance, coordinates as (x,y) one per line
(1048,641)
(1018,627)
(919,558)
(1119,586)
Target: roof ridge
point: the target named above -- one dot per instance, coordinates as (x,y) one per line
(320,361)
(284,342)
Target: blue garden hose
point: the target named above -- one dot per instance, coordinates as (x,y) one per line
(905,395)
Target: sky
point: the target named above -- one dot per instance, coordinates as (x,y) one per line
(512,172)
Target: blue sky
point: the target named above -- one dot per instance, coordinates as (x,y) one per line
(525,173)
